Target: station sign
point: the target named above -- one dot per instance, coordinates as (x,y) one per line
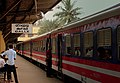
(21,28)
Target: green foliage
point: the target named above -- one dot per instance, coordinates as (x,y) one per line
(48,25)
(67,12)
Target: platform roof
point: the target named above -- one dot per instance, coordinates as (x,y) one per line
(21,11)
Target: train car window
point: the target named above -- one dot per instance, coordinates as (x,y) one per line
(68,45)
(19,48)
(40,46)
(27,46)
(35,46)
(32,45)
(118,41)
(104,43)
(76,44)
(88,44)
(43,46)
(24,46)
(53,45)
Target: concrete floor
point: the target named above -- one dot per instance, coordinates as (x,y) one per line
(29,73)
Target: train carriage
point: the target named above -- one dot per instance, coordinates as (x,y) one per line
(86,51)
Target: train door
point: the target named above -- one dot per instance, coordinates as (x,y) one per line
(59,48)
(48,56)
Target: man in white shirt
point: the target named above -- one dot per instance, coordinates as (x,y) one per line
(11,56)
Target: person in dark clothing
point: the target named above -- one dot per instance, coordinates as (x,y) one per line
(49,62)
(104,54)
(101,52)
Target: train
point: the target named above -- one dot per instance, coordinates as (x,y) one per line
(85,51)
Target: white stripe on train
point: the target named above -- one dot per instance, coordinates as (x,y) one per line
(79,77)
(97,69)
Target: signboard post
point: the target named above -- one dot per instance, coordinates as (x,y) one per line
(21,28)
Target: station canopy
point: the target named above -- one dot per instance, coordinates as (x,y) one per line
(21,11)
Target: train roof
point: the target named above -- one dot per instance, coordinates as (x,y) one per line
(107,13)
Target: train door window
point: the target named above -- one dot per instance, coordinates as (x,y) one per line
(88,44)
(35,46)
(118,41)
(26,46)
(104,43)
(39,46)
(53,45)
(32,45)
(68,44)
(77,44)
(43,46)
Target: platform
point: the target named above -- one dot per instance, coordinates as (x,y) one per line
(29,73)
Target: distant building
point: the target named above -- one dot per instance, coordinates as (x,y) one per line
(25,37)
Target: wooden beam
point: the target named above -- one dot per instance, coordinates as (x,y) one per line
(22,13)
(32,5)
(10,21)
(25,21)
(16,2)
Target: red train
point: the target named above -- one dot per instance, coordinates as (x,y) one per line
(86,51)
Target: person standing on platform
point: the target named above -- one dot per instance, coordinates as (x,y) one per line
(2,62)
(49,58)
(11,56)
(49,62)
(3,66)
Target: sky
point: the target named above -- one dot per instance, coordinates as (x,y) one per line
(88,7)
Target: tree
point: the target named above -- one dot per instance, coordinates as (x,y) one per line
(48,25)
(68,13)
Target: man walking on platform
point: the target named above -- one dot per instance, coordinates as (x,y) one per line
(11,56)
